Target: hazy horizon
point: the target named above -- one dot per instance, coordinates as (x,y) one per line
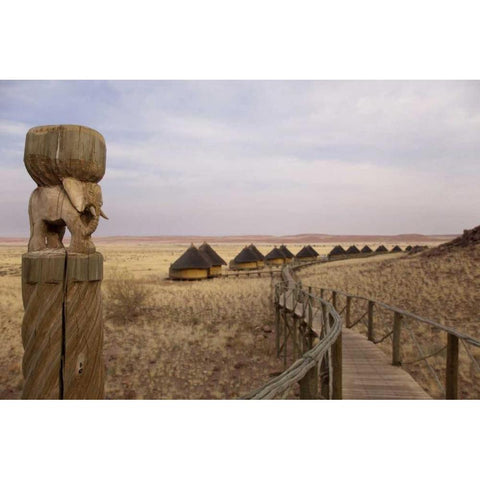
(228,158)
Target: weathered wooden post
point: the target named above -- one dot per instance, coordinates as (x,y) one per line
(370,320)
(295,336)
(348,308)
(309,383)
(62,330)
(310,318)
(451,375)
(397,330)
(337,368)
(334,299)
(277,320)
(285,333)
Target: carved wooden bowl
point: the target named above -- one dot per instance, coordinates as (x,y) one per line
(54,152)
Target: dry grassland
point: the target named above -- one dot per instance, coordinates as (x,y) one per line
(163,339)
(215,339)
(444,288)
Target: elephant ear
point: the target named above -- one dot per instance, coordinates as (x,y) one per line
(76,192)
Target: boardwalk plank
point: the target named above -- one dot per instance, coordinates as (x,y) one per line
(369,375)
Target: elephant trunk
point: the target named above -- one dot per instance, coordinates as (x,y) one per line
(92,225)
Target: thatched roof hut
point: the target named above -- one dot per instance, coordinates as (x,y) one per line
(337,250)
(306,253)
(257,252)
(311,249)
(286,253)
(215,258)
(352,249)
(408,248)
(260,256)
(381,249)
(366,249)
(275,257)
(192,265)
(396,249)
(245,260)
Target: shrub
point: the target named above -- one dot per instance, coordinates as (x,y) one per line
(127,298)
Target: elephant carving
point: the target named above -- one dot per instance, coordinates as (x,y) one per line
(66,162)
(75,204)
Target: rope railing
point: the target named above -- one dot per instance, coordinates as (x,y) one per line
(449,386)
(467,338)
(320,363)
(305,313)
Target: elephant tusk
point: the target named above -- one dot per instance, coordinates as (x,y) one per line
(103,215)
(93,212)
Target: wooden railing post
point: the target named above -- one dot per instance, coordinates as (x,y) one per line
(295,336)
(370,320)
(337,368)
(309,385)
(397,330)
(277,326)
(347,311)
(324,384)
(285,333)
(309,319)
(334,299)
(324,315)
(451,375)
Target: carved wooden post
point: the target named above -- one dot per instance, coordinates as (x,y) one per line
(451,375)
(397,330)
(62,330)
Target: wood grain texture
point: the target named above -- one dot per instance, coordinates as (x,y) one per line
(62,330)
(43,293)
(54,152)
(369,375)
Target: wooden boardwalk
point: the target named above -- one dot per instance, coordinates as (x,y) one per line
(369,375)
(349,365)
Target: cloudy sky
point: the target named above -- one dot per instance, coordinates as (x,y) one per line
(261,157)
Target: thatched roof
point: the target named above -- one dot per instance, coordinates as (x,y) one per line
(192,258)
(337,250)
(286,252)
(305,252)
(396,248)
(366,249)
(381,248)
(274,254)
(245,256)
(215,258)
(353,249)
(257,252)
(408,248)
(314,252)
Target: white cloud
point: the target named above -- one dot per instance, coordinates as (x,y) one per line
(271,157)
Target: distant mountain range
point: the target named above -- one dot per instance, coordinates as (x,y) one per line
(302,238)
